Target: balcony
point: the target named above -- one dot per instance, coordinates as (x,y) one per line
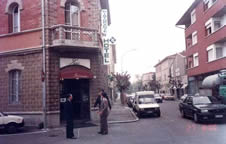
(64,36)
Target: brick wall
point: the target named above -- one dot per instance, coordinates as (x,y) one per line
(30,15)
(31,88)
(204,41)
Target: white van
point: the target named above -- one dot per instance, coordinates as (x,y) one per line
(145,104)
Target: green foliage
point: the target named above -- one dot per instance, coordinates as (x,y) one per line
(122,81)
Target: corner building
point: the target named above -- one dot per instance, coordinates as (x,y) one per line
(73,58)
(205,36)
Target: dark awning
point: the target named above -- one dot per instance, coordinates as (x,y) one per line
(75,72)
(211,81)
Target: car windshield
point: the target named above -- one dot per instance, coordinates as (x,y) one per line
(201,100)
(144,99)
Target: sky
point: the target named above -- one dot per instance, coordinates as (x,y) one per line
(145,32)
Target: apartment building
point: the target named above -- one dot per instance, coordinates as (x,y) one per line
(146,79)
(205,35)
(178,75)
(48,49)
(163,73)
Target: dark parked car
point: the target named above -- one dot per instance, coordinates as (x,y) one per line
(202,108)
(130,100)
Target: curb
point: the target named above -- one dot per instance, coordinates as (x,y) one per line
(126,121)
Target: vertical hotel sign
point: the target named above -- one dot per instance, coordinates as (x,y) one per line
(106,41)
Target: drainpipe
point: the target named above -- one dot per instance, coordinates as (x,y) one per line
(43,67)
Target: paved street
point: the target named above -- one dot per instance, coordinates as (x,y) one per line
(170,128)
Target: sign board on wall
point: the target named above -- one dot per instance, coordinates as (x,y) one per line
(104,22)
(106,41)
(74,61)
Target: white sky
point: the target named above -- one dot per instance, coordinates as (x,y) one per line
(149,27)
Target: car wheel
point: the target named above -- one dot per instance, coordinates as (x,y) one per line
(195,117)
(138,114)
(11,128)
(182,113)
(158,114)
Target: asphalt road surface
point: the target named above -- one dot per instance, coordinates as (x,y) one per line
(170,128)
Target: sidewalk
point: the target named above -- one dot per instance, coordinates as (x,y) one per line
(121,114)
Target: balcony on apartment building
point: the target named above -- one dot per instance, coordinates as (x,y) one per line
(74,38)
(215,27)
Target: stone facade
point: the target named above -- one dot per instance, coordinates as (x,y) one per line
(163,73)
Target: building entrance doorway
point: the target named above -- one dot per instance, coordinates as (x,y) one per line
(79,88)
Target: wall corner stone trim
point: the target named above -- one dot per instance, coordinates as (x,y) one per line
(14,65)
(9,2)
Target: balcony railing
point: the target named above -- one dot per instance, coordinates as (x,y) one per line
(64,35)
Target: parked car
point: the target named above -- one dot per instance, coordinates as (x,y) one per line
(202,108)
(130,99)
(168,97)
(182,98)
(158,98)
(145,104)
(11,122)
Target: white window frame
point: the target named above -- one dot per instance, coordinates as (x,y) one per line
(209,24)
(195,63)
(193,16)
(209,48)
(14,86)
(194,38)
(13,19)
(217,47)
(71,13)
(210,3)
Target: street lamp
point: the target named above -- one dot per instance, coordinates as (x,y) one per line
(123,57)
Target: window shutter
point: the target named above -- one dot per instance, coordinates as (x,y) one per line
(10,23)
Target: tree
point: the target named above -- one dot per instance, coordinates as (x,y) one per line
(154,84)
(122,83)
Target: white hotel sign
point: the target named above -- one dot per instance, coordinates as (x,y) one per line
(106,41)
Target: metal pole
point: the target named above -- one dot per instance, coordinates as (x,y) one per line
(43,67)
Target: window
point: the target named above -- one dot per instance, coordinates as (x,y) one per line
(208,29)
(14,86)
(14,19)
(219,52)
(193,16)
(217,25)
(208,3)
(196,59)
(190,61)
(72,14)
(194,38)
(210,53)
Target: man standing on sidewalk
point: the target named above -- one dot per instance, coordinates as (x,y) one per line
(104,114)
(69,117)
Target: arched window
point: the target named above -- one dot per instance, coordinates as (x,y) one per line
(72,14)
(14,86)
(14,18)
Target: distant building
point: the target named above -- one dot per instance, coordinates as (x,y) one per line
(178,75)
(111,70)
(205,36)
(146,78)
(163,73)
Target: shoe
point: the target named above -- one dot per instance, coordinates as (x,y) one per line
(100,132)
(71,137)
(105,133)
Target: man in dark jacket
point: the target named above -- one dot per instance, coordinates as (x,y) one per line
(98,100)
(69,117)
